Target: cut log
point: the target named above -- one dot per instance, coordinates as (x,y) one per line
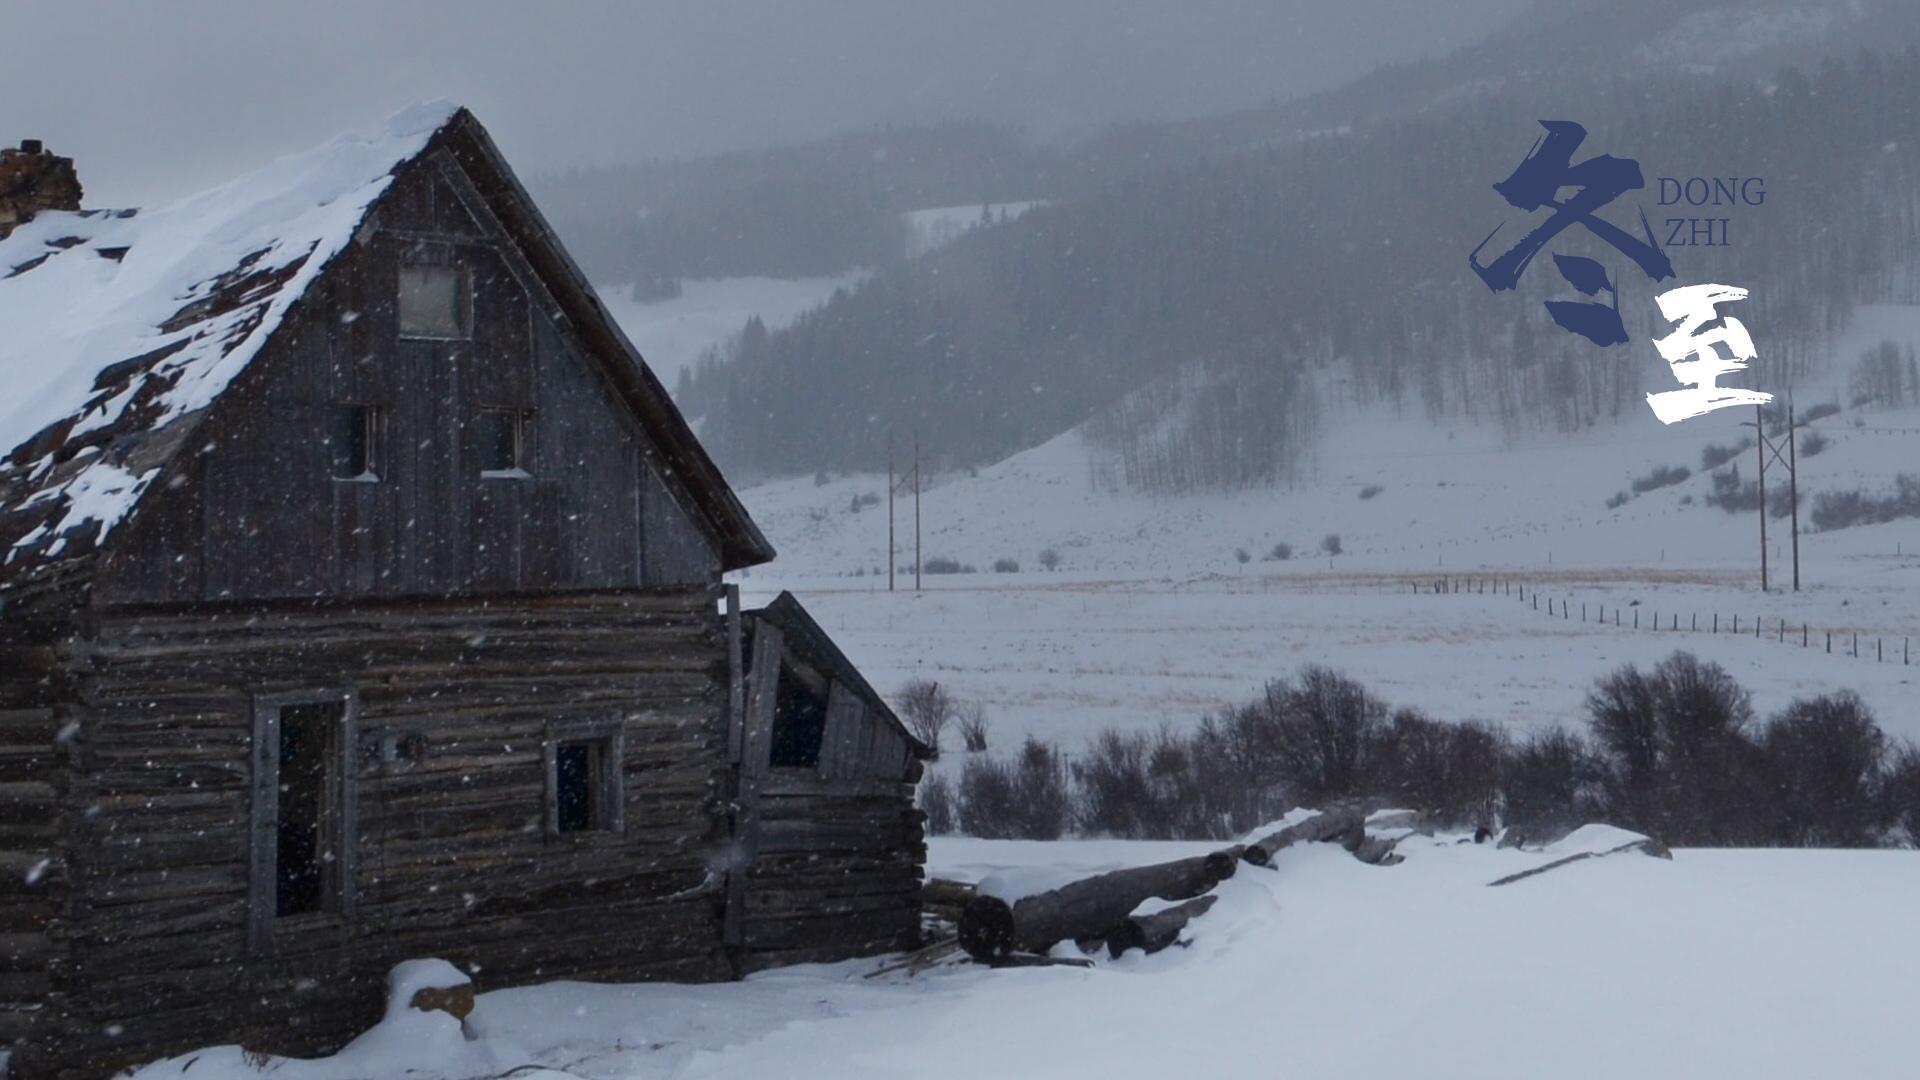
(1151,933)
(1344,824)
(1088,909)
(940,895)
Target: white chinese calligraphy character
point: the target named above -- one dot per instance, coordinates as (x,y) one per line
(1693,307)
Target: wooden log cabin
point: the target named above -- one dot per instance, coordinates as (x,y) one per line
(361,599)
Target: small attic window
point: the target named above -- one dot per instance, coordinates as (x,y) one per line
(434,303)
(355,442)
(501,437)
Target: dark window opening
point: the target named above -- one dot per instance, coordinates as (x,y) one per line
(799,723)
(583,790)
(434,302)
(308,807)
(356,442)
(501,435)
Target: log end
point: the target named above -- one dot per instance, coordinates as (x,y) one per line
(1221,864)
(987,928)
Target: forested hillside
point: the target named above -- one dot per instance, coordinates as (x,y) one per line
(1245,275)
(808,210)
(1205,313)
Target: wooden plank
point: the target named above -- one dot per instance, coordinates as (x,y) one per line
(756,747)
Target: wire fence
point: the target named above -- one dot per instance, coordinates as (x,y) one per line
(1636,616)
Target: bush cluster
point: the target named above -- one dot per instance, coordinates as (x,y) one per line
(1661,476)
(1675,751)
(1844,509)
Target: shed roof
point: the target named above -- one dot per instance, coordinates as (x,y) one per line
(807,639)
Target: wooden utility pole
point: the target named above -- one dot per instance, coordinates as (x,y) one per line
(889,511)
(916,512)
(1793,489)
(1770,451)
(1760,448)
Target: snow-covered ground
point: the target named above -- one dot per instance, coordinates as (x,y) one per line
(1152,618)
(671,334)
(938,226)
(1745,964)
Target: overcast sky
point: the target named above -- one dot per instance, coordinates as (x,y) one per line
(158,99)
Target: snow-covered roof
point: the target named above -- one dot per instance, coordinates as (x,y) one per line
(115,324)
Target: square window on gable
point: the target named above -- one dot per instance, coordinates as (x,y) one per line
(435,303)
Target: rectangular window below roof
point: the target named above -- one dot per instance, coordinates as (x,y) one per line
(355,442)
(500,435)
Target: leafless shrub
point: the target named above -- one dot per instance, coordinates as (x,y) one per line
(936,801)
(927,708)
(1028,798)
(971,718)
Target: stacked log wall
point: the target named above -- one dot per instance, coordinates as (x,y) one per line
(33,877)
(454,857)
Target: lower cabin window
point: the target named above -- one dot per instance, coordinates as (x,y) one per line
(584,786)
(303,807)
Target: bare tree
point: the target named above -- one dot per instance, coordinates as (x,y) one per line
(927,708)
(971,716)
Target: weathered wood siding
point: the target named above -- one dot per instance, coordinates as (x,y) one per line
(257,513)
(452,858)
(837,870)
(837,850)
(33,871)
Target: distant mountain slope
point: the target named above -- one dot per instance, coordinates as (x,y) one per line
(1400,492)
(1190,309)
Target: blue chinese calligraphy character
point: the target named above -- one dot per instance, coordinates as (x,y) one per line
(1597,181)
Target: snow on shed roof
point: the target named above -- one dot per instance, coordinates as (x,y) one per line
(115,323)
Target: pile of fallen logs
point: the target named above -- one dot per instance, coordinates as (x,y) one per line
(1100,911)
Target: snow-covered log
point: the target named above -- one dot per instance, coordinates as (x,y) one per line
(1344,824)
(1152,932)
(1090,909)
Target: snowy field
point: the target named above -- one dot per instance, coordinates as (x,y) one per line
(939,226)
(1064,660)
(671,334)
(1152,617)
(1745,964)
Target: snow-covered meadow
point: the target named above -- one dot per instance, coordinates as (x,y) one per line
(1153,616)
(1717,963)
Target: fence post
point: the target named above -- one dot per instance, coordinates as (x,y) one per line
(1856,644)
(1736,624)
(1879,650)
(1636,618)
(1829,643)
(1583,611)
(1695,622)
(1716,622)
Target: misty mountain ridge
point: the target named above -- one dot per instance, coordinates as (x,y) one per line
(1205,313)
